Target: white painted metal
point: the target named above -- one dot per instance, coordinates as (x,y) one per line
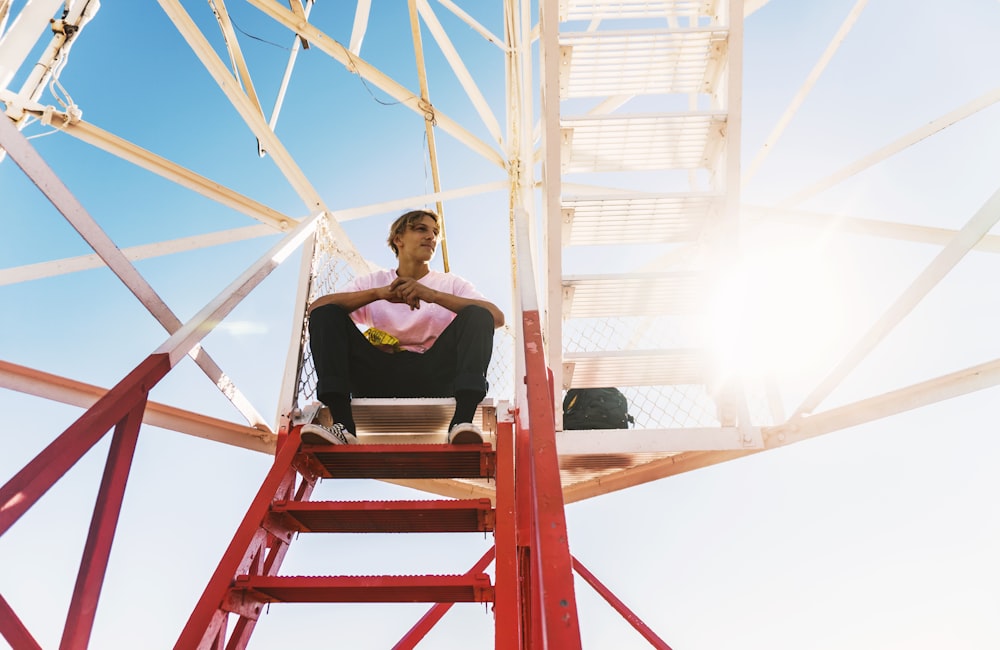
(640,142)
(361,14)
(188,336)
(639,62)
(800,95)
(638,218)
(132,253)
(24,155)
(633,87)
(297,44)
(126,150)
(23,33)
(871,227)
(634,294)
(634,368)
(934,126)
(373,75)
(458,67)
(65,33)
(977,227)
(601,9)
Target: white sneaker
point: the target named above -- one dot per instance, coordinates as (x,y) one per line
(335,434)
(465,433)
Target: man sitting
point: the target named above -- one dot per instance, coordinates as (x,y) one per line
(430,335)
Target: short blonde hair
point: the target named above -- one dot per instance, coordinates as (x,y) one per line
(400,225)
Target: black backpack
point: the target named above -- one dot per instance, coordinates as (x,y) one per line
(595,408)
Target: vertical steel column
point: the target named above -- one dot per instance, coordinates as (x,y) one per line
(94,563)
(505,604)
(552,559)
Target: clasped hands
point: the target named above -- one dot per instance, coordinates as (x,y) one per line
(408,291)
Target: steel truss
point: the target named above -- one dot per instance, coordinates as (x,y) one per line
(534,591)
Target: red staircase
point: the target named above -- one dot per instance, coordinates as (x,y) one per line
(247,577)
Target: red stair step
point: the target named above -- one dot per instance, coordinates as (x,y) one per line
(406,461)
(437,516)
(367,589)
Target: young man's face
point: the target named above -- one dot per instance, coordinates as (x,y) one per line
(419,240)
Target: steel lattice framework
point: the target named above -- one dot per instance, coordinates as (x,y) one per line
(603,140)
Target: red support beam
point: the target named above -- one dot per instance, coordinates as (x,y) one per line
(94,563)
(551,553)
(435,613)
(620,607)
(27,486)
(207,621)
(505,607)
(12,629)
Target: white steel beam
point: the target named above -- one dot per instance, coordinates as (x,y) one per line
(471,22)
(429,120)
(895,147)
(25,157)
(24,32)
(160,166)
(361,13)
(255,120)
(191,333)
(461,72)
(297,44)
(871,227)
(247,110)
(807,86)
(945,261)
(235,53)
(918,395)
(373,75)
(68,391)
(40,270)
(552,189)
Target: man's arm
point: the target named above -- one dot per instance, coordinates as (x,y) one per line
(353,300)
(412,292)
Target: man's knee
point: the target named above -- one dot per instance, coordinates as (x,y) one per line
(477,316)
(327,314)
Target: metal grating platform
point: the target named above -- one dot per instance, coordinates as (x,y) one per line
(638,219)
(633,294)
(639,62)
(634,368)
(641,142)
(600,9)
(405,461)
(368,589)
(456,516)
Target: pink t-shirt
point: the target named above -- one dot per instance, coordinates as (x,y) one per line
(416,329)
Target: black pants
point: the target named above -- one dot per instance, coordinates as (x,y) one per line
(348,364)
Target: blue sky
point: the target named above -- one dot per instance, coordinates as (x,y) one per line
(880,536)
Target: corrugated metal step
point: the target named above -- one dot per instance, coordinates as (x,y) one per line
(406,461)
(640,62)
(366,589)
(601,9)
(638,219)
(634,294)
(635,368)
(641,142)
(466,515)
